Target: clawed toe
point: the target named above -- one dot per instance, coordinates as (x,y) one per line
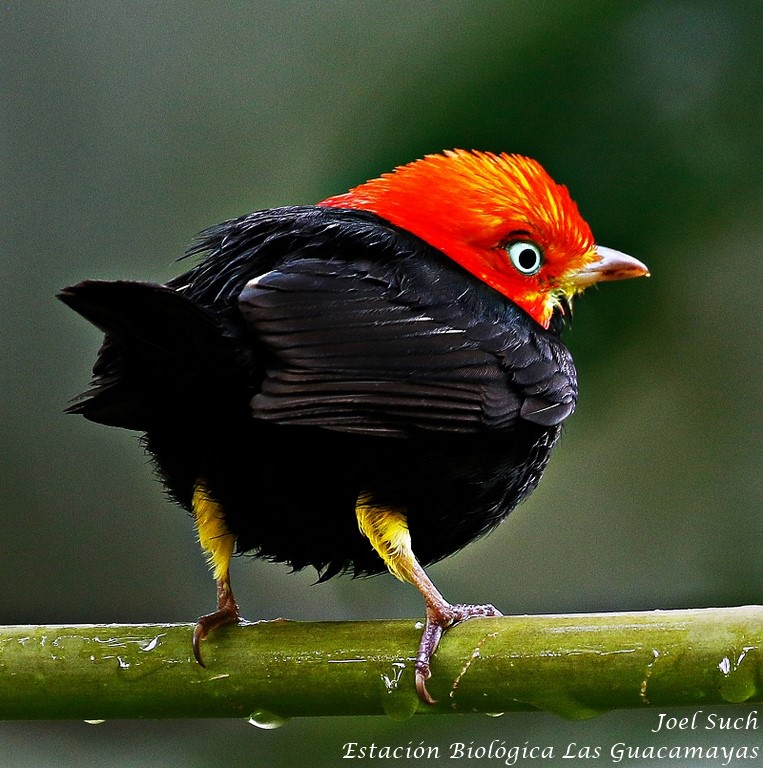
(441,617)
(464,612)
(209,623)
(226,613)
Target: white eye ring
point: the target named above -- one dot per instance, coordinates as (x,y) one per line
(526,256)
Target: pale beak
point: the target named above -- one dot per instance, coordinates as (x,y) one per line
(611,265)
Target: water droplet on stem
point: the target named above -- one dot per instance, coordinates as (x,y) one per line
(268,721)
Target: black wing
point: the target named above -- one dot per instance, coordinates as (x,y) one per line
(400,348)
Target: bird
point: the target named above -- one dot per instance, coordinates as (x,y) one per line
(363,385)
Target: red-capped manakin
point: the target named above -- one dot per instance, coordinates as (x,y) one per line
(370,382)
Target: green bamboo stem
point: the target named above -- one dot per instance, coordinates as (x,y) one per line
(574,665)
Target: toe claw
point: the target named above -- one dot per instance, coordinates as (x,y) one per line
(422,675)
(199,633)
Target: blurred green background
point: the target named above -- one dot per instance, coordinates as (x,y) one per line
(125,127)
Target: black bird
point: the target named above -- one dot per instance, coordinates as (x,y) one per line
(344,385)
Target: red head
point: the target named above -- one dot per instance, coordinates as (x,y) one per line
(502,218)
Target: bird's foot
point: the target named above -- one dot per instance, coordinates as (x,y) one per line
(441,617)
(226,613)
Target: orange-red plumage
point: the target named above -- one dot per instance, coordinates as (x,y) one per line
(471,204)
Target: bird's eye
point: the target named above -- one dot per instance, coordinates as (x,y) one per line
(525,256)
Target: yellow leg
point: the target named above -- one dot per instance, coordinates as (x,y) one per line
(217,542)
(387,530)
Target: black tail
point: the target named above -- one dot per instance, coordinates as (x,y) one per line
(160,351)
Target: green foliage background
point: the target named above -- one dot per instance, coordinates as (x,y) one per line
(125,127)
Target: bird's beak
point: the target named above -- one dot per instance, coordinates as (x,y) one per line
(609,265)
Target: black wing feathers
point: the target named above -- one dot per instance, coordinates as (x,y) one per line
(350,354)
